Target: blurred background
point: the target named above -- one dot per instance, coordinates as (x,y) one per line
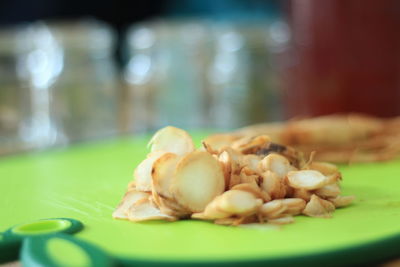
(73,71)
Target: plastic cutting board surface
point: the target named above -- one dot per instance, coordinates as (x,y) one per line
(86,182)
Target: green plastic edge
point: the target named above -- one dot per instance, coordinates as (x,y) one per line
(41,227)
(368,253)
(11,243)
(9,250)
(75,227)
(34,251)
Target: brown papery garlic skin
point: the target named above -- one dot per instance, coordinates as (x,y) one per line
(230,180)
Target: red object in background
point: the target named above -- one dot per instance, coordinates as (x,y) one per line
(344,56)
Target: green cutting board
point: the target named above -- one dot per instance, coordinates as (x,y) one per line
(86,182)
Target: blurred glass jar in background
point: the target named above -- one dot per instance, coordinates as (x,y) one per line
(229,78)
(11,95)
(87,91)
(243,74)
(165,74)
(58,84)
(40,61)
(31,60)
(141,77)
(201,73)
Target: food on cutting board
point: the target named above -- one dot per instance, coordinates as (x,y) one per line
(335,138)
(246,180)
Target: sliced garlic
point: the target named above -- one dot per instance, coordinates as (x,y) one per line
(318,207)
(198,179)
(171,139)
(307,179)
(129,199)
